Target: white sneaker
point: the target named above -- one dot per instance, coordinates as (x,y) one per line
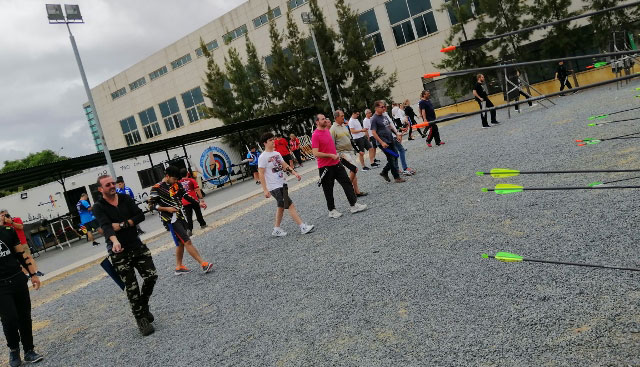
(306,228)
(278,232)
(334,214)
(533,105)
(406,173)
(357,207)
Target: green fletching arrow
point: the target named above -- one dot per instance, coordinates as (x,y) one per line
(595,184)
(598,117)
(503,189)
(510,257)
(611,113)
(609,182)
(600,64)
(504,172)
(507,172)
(592,124)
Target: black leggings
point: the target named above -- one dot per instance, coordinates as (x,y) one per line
(188,212)
(15,311)
(564,82)
(298,157)
(339,174)
(526,96)
(483,115)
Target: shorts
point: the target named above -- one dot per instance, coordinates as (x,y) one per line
(373,142)
(362,144)
(91,226)
(287,158)
(281,195)
(179,232)
(253,169)
(347,160)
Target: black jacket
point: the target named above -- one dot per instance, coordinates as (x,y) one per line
(106,214)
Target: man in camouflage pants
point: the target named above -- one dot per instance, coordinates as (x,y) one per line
(118,216)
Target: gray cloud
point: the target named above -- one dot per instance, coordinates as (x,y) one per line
(42,94)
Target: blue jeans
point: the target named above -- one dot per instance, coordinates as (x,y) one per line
(401,151)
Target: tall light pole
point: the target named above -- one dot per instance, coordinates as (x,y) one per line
(72,15)
(307,18)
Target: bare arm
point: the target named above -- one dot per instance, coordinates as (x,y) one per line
(475,94)
(377,137)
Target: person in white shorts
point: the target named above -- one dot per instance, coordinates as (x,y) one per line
(271,168)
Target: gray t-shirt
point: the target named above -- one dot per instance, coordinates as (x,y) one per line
(381,125)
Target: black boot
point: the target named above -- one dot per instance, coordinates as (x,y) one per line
(14,358)
(145,326)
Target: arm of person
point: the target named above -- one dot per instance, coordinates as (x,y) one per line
(154,199)
(29,264)
(15,224)
(288,168)
(318,154)
(138,215)
(263,183)
(377,137)
(423,113)
(475,94)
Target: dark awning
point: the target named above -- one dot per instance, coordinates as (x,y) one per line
(54,170)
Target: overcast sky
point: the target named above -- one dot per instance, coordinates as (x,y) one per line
(41,93)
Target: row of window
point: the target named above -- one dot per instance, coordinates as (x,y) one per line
(171,116)
(210,47)
(137,84)
(181,61)
(266,17)
(119,93)
(236,33)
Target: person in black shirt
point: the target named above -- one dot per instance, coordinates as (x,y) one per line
(118,216)
(562,76)
(481,96)
(428,114)
(408,111)
(15,302)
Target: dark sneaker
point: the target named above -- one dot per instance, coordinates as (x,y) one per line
(32,357)
(207,267)
(495,122)
(141,231)
(398,180)
(96,243)
(376,160)
(412,139)
(149,315)
(39,273)
(385,176)
(375,164)
(365,168)
(203,226)
(145,326)
(182,270)
(14,358)
(362,193)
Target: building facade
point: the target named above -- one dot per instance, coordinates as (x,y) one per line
(158,97)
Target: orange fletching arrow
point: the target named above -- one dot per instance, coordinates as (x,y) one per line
(448,49)
(417,126)
(430,75)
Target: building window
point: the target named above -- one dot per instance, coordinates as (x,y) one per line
(210,47)
(130,131)
(266,17)
(150,124)
(372,31)
(464,6)
(158,73)
(238,32)
(181,61)
(138,83)
(119,93)
(193,102)
(296,3)
(410,19)
(171,114)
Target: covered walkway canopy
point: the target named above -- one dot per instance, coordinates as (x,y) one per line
(57,170)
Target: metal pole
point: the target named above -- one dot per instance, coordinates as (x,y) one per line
(105,148)
(324,77)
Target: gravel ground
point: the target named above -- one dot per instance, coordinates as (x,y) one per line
(403,283)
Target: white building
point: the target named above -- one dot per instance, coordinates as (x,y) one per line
(157,97)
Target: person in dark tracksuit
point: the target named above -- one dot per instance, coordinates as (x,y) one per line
(563,76)
(15,302)
(481,96)
(118,216)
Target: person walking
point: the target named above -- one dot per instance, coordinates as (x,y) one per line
(118,216)
(481,96)
(411,116)
(166,196)
(366,125)
(428,114)
(520,84)
(562,74)
(271,168)
(17,224)
(358,133)
(192,189)
(342,138)
(294,146)
(330,169)
(282,147)
(87,220)
(253,154)
(15,301)
(382,129)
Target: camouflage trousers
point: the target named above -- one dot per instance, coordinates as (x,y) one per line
(126,263)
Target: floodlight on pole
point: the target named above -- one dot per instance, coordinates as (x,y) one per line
(73,15)
(308,18)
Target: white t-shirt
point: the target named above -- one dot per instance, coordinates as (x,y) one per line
(273,173)
(356,125)
(366,124)
(394,112)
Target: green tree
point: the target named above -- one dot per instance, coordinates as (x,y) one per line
(282,71)
(32,160)
(257,75)
(502,16)
(365,84)
(606,23)
(221,97)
